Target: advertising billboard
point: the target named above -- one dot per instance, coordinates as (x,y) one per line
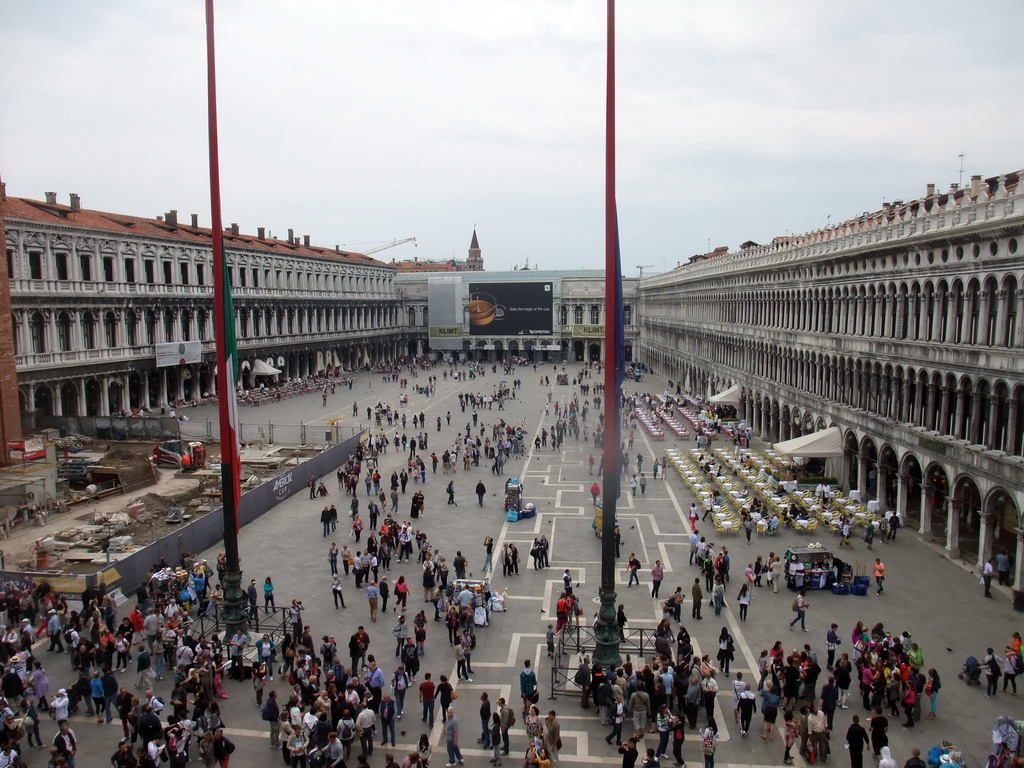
(178,353)
(511,309)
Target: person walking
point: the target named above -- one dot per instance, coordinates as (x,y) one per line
(709,742)
(481,491)
(879,575)
(698,598)
(986,575)
(373,597)
(657,575)
(450,490)
(857,738)
(800,606)
(451,739)
(595,491)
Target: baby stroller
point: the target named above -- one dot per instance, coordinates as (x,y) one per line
(971,673)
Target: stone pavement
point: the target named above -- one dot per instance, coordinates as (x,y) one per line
(938,601)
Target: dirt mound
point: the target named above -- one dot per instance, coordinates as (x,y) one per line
(120,453)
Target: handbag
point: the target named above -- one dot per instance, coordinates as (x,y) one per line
(455,694)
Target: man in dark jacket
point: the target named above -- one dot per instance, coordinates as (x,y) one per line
(110,691)
(222,747)
(857,738)
(149,725)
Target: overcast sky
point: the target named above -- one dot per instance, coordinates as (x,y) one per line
(364,122)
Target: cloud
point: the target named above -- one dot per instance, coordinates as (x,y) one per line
(367,122)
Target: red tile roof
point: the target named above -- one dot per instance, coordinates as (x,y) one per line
(36,210)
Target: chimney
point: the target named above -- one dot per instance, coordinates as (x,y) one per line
(930,190)
(305,240)
(954,188)
(171,218)
(51,198)
(234,229)
(76,202)
(291,236)
(337,248)
(261,233)
(195,221)
(975,187)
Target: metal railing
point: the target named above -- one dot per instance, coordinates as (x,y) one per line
(575,641)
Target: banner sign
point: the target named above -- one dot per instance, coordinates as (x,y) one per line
(511,309)
(588,331)
(445,331)
(178,353)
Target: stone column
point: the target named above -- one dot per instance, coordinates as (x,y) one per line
(1011,432)
(952,528)
(105,396)
(1018,573)
(974,433)
(80,391)
(925,526)
(985,531)
(944,417)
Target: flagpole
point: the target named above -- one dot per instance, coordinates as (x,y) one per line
(234,615)
(606,631)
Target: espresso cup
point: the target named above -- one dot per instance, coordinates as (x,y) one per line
(483,309)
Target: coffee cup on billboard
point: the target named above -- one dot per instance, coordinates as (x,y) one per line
(484,309)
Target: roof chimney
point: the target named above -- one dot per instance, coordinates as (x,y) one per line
(76,202)
(975,186)
(234,229)
(171,218)
(51,198)
(337,248)
(930,190)
(291,236)
(305,240)
(195,221)
(261,233)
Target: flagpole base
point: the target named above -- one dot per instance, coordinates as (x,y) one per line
(234,615)
(606,633)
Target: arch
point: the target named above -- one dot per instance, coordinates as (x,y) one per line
(1004,519)
(69,401)
(936,490)
(966,500)
(912,483)
(43,400)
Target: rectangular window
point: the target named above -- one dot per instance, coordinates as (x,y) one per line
(129,271)
(242,276)
(10,265)
(108,269)
(200,274)
(255,278)
(35,265)
(150,269)
(61,262)
(183,268)
(168,274)
(85,261)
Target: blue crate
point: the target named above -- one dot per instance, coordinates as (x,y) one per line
(840,589)
(862,581)
(859,589)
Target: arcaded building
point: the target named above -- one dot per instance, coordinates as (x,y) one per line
(112,312)
(903,327)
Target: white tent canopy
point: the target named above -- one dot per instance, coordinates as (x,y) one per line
(263,369)
(823,444)
(731,396)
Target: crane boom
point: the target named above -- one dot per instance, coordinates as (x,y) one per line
(392,244)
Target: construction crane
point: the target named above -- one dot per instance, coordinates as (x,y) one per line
(384,247)
(642,267)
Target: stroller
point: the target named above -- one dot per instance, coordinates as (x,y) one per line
(971,673)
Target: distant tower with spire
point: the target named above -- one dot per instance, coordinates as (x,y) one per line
(475,261)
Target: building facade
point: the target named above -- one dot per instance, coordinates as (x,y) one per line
(577,322)
(903,327)
(93,293)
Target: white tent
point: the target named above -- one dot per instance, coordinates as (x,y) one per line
(263,369)
(731,396)
(823,444)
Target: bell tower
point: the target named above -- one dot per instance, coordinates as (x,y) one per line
(475,261)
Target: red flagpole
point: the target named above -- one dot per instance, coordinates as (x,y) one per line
(606,652)
(234,615)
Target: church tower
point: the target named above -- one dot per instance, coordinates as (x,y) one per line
(475,261)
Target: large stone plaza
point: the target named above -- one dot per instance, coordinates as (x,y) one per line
(938,600)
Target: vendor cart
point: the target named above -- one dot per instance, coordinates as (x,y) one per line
(513,498)
(809,567)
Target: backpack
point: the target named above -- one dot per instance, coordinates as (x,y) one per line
(511,717)
(266,714)
(346,732)
(67,634)
(796,606)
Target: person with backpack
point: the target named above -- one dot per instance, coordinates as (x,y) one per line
(528,686)
(271,713)
(800,606)
(709,742)
(992,665)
